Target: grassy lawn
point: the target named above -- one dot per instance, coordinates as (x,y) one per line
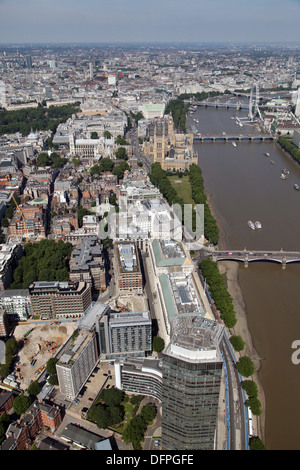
(183,188)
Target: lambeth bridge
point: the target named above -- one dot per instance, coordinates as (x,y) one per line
(245,256)
(233,138)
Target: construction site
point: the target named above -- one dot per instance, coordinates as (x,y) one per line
(37,344)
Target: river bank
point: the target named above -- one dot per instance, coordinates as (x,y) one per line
(230,270)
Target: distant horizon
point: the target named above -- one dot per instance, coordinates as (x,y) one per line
(149,21)
(192,43)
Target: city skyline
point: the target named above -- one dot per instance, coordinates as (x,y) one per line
(215,21)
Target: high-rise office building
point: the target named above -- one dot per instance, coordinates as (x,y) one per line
(192,369)
(130,333)
(91,70)
(28,61)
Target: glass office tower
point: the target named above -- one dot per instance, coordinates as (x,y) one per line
(192,370)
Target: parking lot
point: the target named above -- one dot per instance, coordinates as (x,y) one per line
(102,377)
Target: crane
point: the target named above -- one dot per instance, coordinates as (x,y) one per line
(22,215)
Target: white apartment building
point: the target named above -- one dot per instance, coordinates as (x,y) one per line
(77,363)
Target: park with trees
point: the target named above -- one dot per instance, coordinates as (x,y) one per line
(46,260)
(40,118)
(122,413)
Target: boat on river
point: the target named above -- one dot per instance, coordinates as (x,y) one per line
(266,154)
(257,224)
(251,224)
(234,144)
(283,176)
(297,187)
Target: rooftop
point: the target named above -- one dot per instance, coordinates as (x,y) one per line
(180,295)
(95,311)
(195,338)
(128,257)
(168,253)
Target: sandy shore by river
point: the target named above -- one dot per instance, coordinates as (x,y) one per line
(230,270)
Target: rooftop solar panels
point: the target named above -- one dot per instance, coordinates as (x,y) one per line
(183,295)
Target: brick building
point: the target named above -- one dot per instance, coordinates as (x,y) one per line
(6,402)
(21,433)
(29,221)
(128,270)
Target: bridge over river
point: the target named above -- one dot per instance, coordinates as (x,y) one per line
(232,138)
(245,256)
(218,104)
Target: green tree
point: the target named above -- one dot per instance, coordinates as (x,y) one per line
(94,135)
(121,153)
(256,444)
(136,399)
(112,396)
(2,432)
(237,342)
(120,169)
(21,404)
(121,141)
(4,370)
(250,388)
(107,135)
(53,380)
(116,414)
(100,414)
(255,406)
(34,388)
(134,432)
(219,293)
(4,423)
(11,346)
(158,344)
(76,161)
(245,366)
(51,365)
(148,413)
(43,159)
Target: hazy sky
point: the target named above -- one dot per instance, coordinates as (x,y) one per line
(149,21)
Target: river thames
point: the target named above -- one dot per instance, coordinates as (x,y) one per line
(243,184)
